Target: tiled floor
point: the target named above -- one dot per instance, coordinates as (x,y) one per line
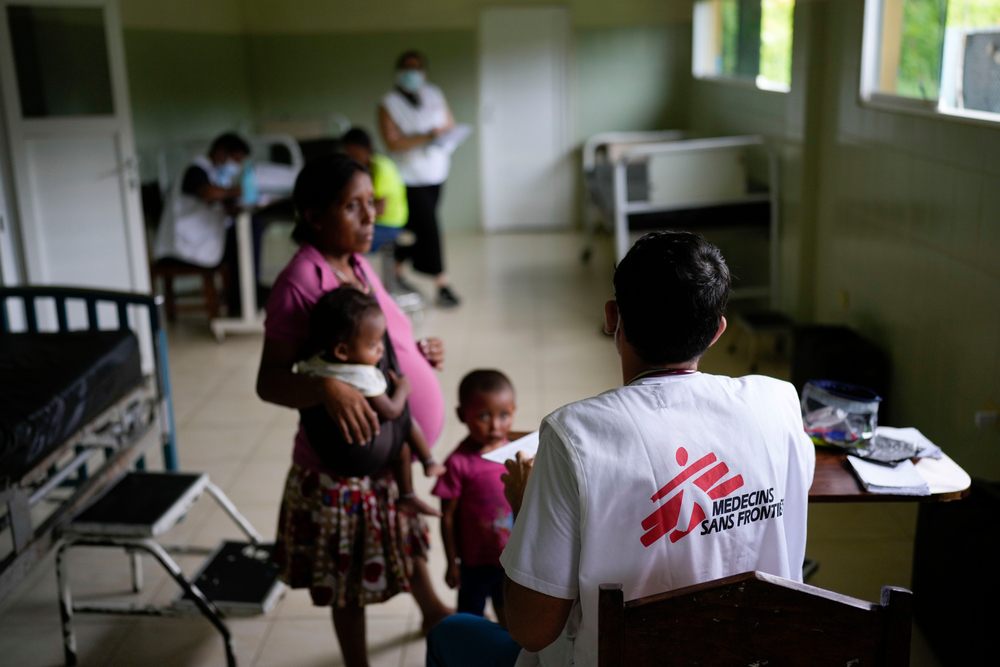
(531,309)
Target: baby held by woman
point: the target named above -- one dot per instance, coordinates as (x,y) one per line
(347,330)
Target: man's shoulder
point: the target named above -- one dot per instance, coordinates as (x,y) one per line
(605,410)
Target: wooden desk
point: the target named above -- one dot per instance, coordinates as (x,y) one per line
(835,483)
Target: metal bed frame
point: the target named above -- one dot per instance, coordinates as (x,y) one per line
(119,432)
(648,145)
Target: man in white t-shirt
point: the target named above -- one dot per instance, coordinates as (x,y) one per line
(674,479)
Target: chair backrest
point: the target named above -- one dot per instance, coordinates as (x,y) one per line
(753,619)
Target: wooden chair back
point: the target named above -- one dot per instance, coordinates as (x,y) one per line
(753,619)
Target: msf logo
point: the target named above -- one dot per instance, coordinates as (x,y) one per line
(664,520)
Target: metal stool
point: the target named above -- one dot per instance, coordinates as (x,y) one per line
(236,579)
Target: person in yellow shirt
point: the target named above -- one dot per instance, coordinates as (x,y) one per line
(391,209)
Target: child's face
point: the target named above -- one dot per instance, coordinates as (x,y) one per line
(366,347)
(489,416)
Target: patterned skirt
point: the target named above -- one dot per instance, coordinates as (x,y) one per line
(342,538)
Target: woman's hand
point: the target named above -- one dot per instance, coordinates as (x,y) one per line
(351,411)
(453,577)
(515,480)
(433,351)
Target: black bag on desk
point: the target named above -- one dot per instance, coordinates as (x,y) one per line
(955,578)
(358,460)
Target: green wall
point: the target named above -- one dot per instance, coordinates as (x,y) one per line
(197,84)
(184,85)
(632,78)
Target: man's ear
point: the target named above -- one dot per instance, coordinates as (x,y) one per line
(340,351)
(461,417)
(610,317)
(722,328)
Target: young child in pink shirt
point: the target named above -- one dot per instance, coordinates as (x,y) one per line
(476,518)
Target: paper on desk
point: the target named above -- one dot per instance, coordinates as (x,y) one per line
(453,138)
(925,448)
(902,479)
(528,444)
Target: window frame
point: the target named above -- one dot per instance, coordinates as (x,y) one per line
(870,97)
(697,60)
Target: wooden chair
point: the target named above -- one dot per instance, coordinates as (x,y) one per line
(753,619)
(168,269)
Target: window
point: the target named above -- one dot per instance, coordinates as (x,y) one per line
(747,40)
(936,55)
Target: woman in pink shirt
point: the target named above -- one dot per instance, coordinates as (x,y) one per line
(339,536)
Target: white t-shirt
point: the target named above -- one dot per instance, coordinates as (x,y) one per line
(191,230)
(665,483)
(368,380)
(427,164)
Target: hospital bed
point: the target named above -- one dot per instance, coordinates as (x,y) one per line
(724,187)
(83,382)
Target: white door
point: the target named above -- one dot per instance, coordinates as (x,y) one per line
(525,136)
(69,125)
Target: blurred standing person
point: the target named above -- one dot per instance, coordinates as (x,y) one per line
(412,115)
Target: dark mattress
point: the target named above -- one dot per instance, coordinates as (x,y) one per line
(51,384)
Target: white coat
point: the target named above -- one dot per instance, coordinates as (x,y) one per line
(191,230)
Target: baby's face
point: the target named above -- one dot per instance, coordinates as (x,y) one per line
(489,416)
(367,346)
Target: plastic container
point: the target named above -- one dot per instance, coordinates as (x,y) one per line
(840,414)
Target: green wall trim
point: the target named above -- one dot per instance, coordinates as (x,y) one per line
(184,85)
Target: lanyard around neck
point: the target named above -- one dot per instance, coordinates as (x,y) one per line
(659,373)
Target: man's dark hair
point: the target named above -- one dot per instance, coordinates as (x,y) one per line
(231,143)
(412,53)
(482,382)
(671,289)
(320,183)
(337,315)
(356,137)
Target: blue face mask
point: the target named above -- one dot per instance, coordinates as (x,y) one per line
(410,80)
(224,173)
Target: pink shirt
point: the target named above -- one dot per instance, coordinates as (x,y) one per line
(484,516)
(299,286)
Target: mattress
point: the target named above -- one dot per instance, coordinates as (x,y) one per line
(51,384)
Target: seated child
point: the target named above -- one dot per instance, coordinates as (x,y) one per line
(347,331)
(471,490)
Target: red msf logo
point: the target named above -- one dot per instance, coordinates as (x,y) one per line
(665,518)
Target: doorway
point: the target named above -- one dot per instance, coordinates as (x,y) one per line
(69,133)
(525,128)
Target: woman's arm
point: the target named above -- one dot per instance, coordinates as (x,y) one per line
(277,383)
(449,119)
(394,138)
(449,507)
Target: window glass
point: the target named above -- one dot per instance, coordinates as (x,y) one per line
(943,52)
(61,60)
(744,39)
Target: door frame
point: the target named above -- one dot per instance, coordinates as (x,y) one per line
(32,244)
(568,99)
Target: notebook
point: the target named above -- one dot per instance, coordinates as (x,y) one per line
(528,444)
(901,479)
